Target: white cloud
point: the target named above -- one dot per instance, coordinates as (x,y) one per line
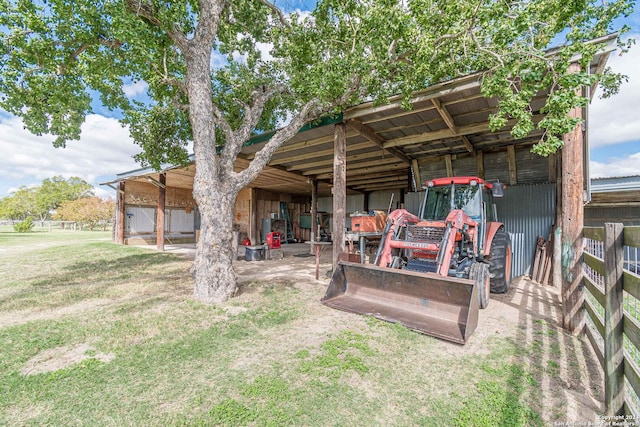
(134,89)
(105,149)
(615,120)
(627,166)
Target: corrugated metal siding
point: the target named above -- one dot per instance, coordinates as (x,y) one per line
(354,203)
(379,200)
(596,216)
(527,212)
(412,202)
(180,221)
(140,220)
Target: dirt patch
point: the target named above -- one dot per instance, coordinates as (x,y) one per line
(21,317)
(58,358)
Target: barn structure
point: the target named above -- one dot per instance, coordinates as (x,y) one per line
(356,161)
(613,199)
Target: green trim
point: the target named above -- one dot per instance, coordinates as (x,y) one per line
(324,121)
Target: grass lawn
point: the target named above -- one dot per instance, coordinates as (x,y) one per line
(93,333)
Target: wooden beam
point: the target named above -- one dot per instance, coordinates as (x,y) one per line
(314,212)
(417,179)
(572,223)
(339,190)
(435,135)
(513,176)
(380,187)
(396,178)
(448,133)
(467,143)
(362,167)
(402,113)
(300,145)
(372,136)
(110,185)
(444,113)
(552,167)
(156,183)
(448,164)
(162,191)
(120,217)
(398,167)
(350,158)
(318,153)
(480,163)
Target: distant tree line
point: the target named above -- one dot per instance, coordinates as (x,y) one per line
(60,199)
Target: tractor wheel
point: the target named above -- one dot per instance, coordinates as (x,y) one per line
(479,273)
(500,262)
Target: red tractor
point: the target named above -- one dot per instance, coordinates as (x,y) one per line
(455,236)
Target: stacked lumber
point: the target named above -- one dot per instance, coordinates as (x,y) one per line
(542,261)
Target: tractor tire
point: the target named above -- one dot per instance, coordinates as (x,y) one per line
(500,258)
(479,273)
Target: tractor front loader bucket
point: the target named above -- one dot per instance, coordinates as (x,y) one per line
(442,307)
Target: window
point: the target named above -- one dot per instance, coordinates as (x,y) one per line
(438,202)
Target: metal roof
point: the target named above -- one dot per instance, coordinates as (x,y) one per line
(618,183)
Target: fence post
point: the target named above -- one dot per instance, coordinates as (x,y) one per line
(613,318)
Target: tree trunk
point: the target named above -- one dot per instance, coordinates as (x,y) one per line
(214,277)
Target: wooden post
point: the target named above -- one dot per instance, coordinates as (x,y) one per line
(480,163)
(254,229)
(120,218)
(315,227)
(314,212)
(556,277)
(513,176)
(160,219)
(417,180)
(572,223)
(339,189)
(448,164)
(613,318)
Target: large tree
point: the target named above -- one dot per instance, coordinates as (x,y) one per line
(219,71)
(88,211)
(55,191)
(40,201)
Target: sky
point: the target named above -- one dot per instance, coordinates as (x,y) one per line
(106,149)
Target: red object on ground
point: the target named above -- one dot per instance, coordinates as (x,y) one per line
(273,240)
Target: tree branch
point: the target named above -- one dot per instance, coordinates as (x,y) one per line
(252,112)
(276,11)
(222,123)
(310,111)
(145,10)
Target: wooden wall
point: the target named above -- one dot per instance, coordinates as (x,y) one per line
(268,202)
(144,194)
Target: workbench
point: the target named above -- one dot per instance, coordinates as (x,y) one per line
(361,237)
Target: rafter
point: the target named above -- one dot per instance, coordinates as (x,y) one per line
(372,136)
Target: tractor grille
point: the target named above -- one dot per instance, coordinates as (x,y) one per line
(425,234)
